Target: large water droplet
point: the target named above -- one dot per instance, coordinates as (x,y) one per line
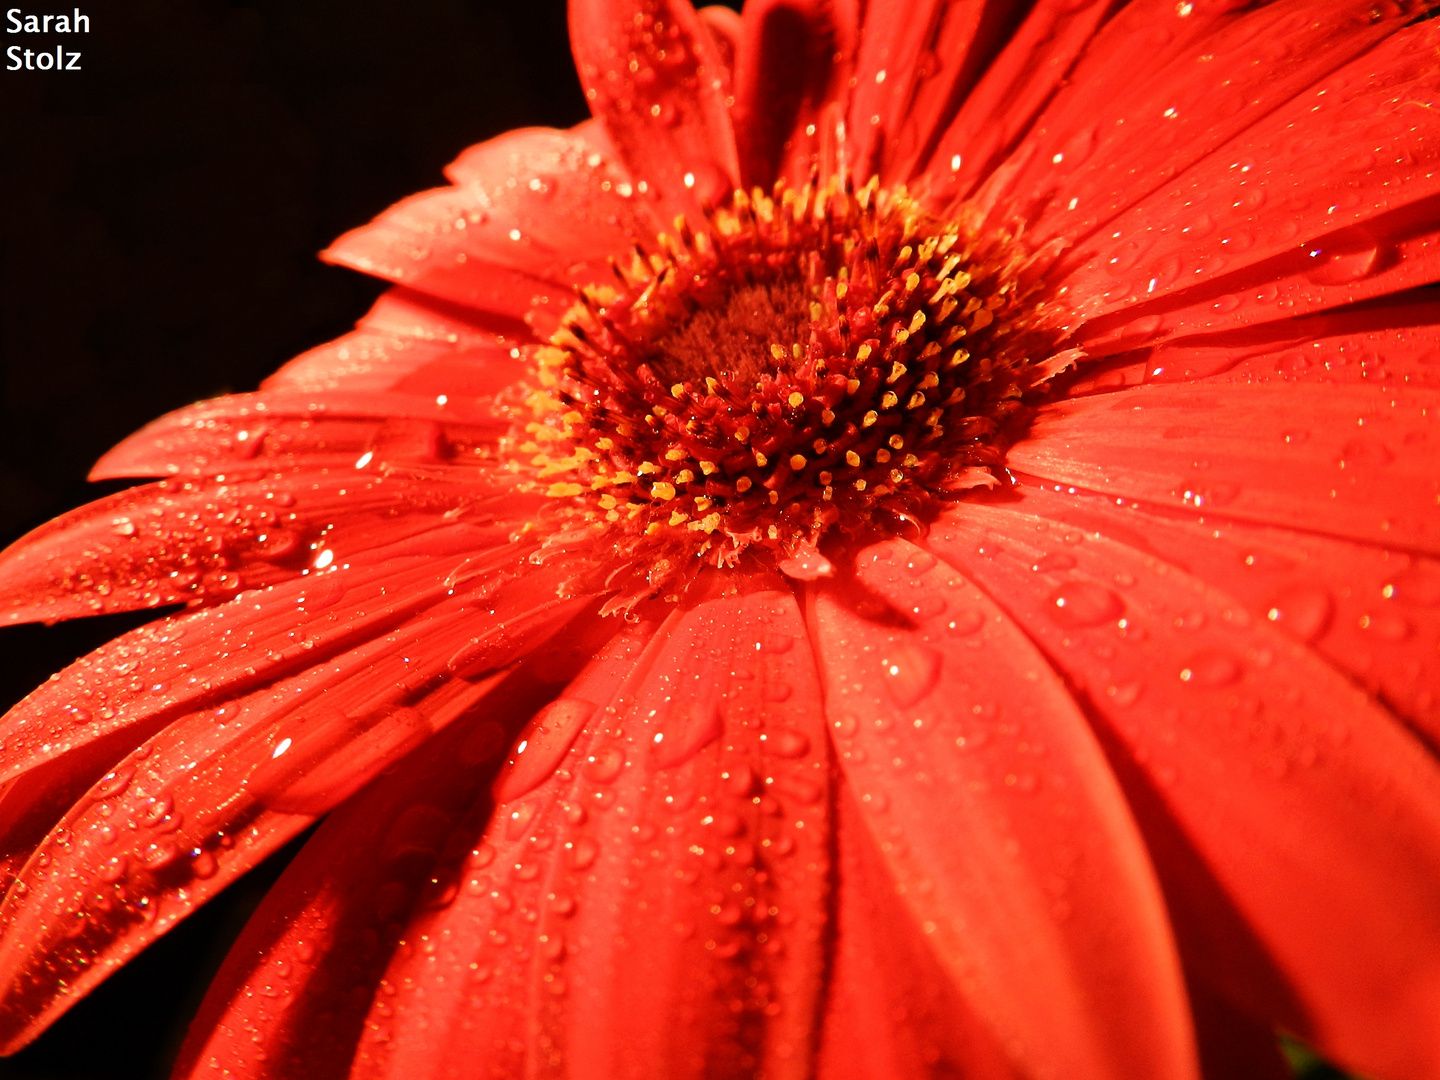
(1303,610)
(1418,585)
(788,743)
(542,746)
(605,764)
(1079,604)
(1211,667)
(1343,267)
(910,671)
(687,731)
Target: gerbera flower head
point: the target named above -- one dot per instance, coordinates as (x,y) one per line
(903,547)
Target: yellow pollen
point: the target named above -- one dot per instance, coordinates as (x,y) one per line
(662,490)
(796,400)
(859,485)
(563,490)
(684,476)
(778,352)
(761,460)
(896,441)
(896,370)
(797,461)
(869,418)
(827,417)
(888,400)
(678,390)
(743,485)
(862,354)
(708,467)
(852,459)
(882,455)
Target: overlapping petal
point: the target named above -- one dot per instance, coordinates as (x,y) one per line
(1287,813)
(1144,759)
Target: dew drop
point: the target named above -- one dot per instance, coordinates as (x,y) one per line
(543,745)
(203,864)
(114,783)
(776,643)
(910,672)
(1124,693)
(965,623)
(1079,604)
(1344,267)
(688,730)
(582,855)
(1418,585)
(1211,667)
(1056,560)
(605,764)
(788,743)
(519,820)
(1304,610)
(1387,626)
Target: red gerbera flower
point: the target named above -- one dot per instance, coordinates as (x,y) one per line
(904,547)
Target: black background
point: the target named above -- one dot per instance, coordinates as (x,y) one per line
(162,209)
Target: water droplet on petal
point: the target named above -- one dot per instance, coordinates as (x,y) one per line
(1211,667)
(1079,604)
(788,743)
(1056,560)
(1418,585)
(687,731)
(543,744)
(1388,626)
(965,623)
(582,855)
(1343,267)
(1304,610)
(911,672)
(605,764)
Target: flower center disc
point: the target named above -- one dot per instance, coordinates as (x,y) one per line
(809,359)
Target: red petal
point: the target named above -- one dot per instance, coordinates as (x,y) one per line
(158,673)
(1114,135)
(245,436)
(222,787)
(725,29)
(293,993)
(1022,80)
(1296,826)
(1389,340)
(793,59)
(203,541)
(1373,613)
(410,344)
(892,1011)
(1344,460)
(1000,822)
(654,79)
(1307,178)
(916,62)
(532,212)
(706,773)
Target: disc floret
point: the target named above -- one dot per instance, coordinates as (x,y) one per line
(807,359)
